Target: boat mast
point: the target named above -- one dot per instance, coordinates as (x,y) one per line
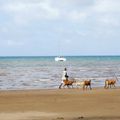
(59,47)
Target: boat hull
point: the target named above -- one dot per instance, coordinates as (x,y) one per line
(60,59)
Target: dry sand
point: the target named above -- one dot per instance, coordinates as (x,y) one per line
(60,104)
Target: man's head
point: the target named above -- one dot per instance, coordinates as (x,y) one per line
(65,69)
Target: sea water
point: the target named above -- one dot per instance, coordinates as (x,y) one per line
(20,73)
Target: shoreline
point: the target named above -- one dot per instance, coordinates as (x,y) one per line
(39,89)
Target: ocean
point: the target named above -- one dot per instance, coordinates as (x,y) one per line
(22,73)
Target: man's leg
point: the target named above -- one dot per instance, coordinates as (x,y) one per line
(60,85)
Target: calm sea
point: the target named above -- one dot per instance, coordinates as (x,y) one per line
(45,73)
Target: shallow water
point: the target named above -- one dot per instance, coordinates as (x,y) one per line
(44,72)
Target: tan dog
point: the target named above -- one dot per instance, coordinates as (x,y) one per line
(109,83)
(68,83)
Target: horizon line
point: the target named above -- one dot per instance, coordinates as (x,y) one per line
(57,55)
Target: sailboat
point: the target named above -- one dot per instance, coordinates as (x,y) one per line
(60,58)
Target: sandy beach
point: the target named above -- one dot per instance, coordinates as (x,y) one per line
(60,104)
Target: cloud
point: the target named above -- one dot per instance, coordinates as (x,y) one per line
(110,21)
(3,29)
(77,16)
(15,43)
(25,11)
(109,6)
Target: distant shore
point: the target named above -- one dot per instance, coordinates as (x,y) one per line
(59,104)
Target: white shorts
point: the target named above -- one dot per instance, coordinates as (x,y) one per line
(62,82)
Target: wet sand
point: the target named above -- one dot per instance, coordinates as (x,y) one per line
(60,104)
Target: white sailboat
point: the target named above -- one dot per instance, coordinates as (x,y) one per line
(60,58)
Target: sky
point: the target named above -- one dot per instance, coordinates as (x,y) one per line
(59,27)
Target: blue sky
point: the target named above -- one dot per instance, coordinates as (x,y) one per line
(77,27)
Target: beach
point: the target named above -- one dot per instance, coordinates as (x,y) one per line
(60,104)
(29,88)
